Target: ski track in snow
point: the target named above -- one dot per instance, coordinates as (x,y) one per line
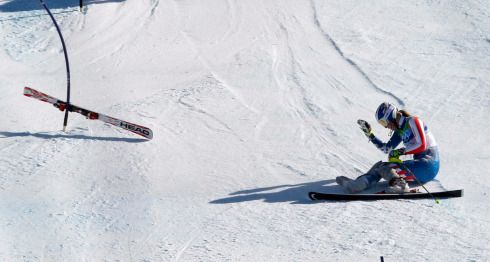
(349,60)
(253,104)
(206,64)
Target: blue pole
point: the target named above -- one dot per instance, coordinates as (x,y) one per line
(65,121)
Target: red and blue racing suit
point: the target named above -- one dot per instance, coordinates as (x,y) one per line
(420,142)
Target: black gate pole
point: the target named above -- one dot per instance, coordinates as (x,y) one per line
(65,121)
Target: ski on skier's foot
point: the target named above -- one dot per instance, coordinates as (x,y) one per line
(61,105)
(383,195)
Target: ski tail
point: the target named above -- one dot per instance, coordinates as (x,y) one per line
(137,129)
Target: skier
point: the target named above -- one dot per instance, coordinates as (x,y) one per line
(418,141)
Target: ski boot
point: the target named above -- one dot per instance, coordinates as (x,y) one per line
(397,186)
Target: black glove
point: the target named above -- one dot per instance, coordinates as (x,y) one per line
(365,127)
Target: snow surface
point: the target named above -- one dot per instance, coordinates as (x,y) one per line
(253,104)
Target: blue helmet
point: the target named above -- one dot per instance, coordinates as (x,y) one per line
(386,113)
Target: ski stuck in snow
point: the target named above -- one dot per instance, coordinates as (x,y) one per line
(61,105)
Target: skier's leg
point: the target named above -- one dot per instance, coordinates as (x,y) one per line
(397,184)
(379,170)
(423,169)
(387,172)
(362,182)
(353,186)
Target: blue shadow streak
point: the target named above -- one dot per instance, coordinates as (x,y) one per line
(68,136)
(34,5)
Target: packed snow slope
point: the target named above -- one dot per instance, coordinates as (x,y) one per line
(253,104)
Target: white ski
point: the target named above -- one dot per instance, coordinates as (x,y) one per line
(62,105)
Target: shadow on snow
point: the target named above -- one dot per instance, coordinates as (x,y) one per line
(68,136)
(35,5)
(296,194)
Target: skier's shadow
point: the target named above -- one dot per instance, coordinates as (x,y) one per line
(70,136)
(296,194)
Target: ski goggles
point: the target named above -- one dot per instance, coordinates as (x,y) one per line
(383,122)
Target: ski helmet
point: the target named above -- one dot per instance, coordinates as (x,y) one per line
(386,113)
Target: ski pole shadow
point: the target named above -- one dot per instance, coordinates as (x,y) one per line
(295,194)
(70,136)
(24,5)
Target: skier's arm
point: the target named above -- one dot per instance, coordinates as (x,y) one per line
(419,142)
(386,147)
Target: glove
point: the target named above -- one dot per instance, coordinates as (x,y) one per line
(394,155)
(365,127)
(397,152)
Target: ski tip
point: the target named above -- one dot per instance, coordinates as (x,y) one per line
(27,91)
